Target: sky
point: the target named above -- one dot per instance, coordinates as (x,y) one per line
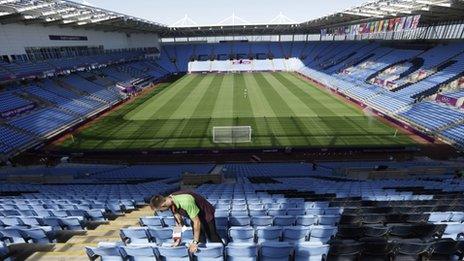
(207,12)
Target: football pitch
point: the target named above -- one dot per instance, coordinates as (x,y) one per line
(282,109)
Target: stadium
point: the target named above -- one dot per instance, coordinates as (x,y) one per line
(339,137)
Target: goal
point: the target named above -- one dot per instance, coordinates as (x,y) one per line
(232,134)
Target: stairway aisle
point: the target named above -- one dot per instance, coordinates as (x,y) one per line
(73,249)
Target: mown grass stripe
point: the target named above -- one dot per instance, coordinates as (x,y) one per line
(300,108)
(263,134)
(198,125)
(355,124)
(154,103)
(283,122)
(223,107)
(351,119)
(188,107)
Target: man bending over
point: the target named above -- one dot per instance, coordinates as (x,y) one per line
(196,208)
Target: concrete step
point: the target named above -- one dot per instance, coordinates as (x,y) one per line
(73,249)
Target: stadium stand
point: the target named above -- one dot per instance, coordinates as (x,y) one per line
(306,218)
(314,217)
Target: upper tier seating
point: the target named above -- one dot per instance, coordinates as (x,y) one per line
(43,121)
(9,101)
(10,139)
(70,105)
(456,134)
(79,83)
(432,116)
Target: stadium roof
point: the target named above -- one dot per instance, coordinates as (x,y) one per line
(71,14)
(68,13)
(431,11)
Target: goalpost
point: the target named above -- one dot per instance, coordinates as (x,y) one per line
(232,134)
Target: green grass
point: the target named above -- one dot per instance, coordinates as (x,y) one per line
(282,109)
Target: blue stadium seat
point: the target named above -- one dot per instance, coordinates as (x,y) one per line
(96,215)
(160,235)
(261,221)
(169,221)
(453,230)
(72,223)
(30,221)
(275,251)
(209,252)
(257,212)
(134,235)
(27,213)
(332,211)
(11,222)
(138,253)
(168,253)
(307,251)
(270,233)
(38,235)
(110,253)
(221,213)
(53,222)
(283,221)
(439,217)
(307,220)
(295,211)
(322,234)
(295,234)
(187,234)
(457,217)
(239,221)
(241,234)
(276,212)
(315,211)
(241,252)
(11,236)
(328,220)
(80,213)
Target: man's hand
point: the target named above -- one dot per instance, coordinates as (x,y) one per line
(176,242)
(193,248)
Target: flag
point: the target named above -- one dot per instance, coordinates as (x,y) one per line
(376,27)
(380,28)
(415,21)
(403,21)
(385,25)
(407,24)
(367,28)
(397,23)
(361,28)
(391,25)
(372,27)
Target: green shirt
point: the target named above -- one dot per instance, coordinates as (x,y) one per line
(187,203)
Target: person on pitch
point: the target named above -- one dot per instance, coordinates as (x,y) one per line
(196,208)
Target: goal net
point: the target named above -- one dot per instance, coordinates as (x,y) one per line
(232,134)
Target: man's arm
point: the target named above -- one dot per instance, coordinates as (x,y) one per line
(179,219)
(196,228)
(193,247)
